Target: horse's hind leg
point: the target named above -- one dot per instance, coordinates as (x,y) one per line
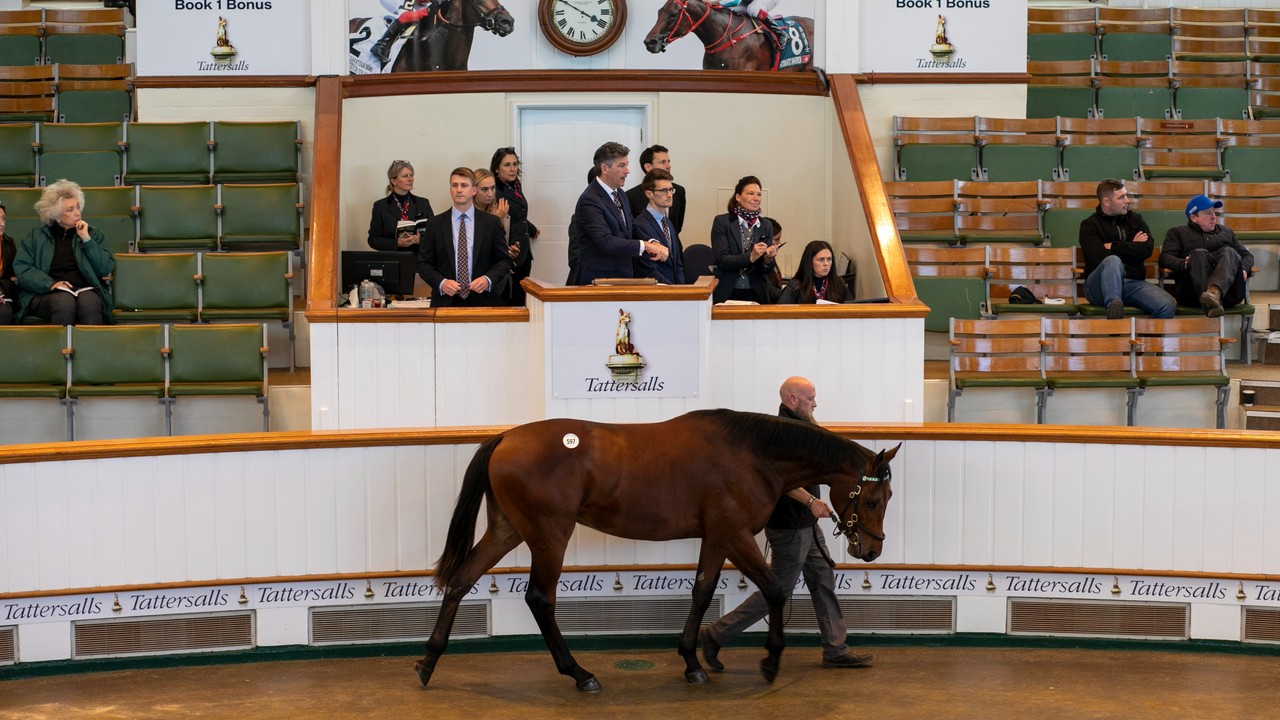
(544,573)
(746,556)
(710,563)
(498,540)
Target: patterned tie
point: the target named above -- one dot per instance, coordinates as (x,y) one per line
(617,200)
(666,231)
(464,261)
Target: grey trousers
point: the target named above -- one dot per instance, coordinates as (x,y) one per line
(794,552)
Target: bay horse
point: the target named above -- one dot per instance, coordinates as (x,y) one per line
(442,40)
(710,474)
(733,41)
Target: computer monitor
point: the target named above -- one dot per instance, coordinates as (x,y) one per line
(393,271)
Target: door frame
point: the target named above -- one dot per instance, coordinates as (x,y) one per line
(646,106)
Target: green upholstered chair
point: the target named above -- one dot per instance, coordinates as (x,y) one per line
(21,37)
(110,209)
(116,361)
(998,212)
(924,211)
(156,287)
(1184,352)
(256,152)
(1062,226)
(249,286)
(20,211)
(1048,272)
(177,217)
(18,154)
(1060,88)
(95,93)
(86,153)
(997,354)
(951,281)
(35,365)
(167,153)
(28,93)
(84,37)
(1061,33)
(1247,164)
(261,217)
(219,360)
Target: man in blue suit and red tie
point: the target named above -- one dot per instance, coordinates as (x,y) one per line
(606,246)
(654,223)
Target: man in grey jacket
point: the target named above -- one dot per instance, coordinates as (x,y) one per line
(1208,263)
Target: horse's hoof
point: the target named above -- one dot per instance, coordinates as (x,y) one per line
(769,668)
(590,685)
(424,674)
(697,677)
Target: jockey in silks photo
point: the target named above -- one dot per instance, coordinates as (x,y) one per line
(408,12)
(753,8)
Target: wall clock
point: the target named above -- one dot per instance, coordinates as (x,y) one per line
(582,27)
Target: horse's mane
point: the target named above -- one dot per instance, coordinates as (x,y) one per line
(767,431)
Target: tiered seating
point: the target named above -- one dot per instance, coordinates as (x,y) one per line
(1052,354)
(18,155)
(84,37)
(95,93)
(951,281)
(164,362)
(21,37)
(168,153)
(86,153)
(28,93)
(256,152)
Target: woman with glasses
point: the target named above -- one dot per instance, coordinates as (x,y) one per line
(399,206)
(814,279)
(505,167)
(743,245)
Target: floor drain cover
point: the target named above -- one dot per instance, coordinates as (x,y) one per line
(633,665)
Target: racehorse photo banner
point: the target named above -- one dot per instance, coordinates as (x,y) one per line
(430,35)
(944,36)
(225,37)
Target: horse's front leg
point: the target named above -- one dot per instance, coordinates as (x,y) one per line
(544,573)
(710,562)
(746,556)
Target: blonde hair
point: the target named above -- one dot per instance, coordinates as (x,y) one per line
(49,206)
(481,174)
(394,171)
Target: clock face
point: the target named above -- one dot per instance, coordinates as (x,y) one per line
(582,27)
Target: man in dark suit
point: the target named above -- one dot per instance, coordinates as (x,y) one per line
(464,254)
(657,157)
(654,223)
(605,247)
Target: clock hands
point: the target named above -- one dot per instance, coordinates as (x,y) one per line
(580,10)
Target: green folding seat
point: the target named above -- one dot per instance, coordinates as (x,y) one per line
(925,163)
(167,153)
(222,360)
(261,217)
(1251,164)
(156,287)
(1060,46)
(110,209)
(1061,33)
(1062,226)
(1008,163)
(1125,101)
(1046,101)
(84,37)
(249,286)
(115,361)
(86,153)
(177,217)
(256,152)
(20,210)
(1161,220)
(21,33)
(18,155)
(1199,103)
(1083,163)
(34,363)
(28,93)
(950,297)
(95,93)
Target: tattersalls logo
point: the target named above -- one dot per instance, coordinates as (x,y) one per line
(942,51)
(223,52)
(625,364)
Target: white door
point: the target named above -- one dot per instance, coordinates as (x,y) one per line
(556,145)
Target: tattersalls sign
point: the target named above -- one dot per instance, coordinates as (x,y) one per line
(633,350)
(944,36)
(224,37)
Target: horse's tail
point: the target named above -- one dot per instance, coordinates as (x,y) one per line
(462,526)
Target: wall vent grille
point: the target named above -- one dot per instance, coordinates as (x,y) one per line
(8,645)
(1095,618)
(1262,625)
(915,615)
(162,635)
(393,623)
(628,615)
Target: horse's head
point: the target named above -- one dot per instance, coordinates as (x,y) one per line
(860,504)
(494,17)
(674,22)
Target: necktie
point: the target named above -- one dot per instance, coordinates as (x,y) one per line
(666,234)
(617,200)
(464,261)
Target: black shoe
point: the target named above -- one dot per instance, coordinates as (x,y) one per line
(1115,309)
(710,649)
(847,660)
(382,50)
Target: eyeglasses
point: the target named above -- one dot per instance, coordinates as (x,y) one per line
(663,191)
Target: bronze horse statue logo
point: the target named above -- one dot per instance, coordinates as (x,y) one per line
(710,474)
(732,41)
(442,40)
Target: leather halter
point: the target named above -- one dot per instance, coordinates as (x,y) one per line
(487,20)
(724,42)
(848,524)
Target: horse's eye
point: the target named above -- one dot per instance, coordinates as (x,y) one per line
(873,504)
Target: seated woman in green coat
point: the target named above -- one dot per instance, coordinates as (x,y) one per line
(61,264)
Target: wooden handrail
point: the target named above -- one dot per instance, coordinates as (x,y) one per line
(875,201)
(542,81)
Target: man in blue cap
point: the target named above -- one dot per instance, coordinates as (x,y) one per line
(1209,264)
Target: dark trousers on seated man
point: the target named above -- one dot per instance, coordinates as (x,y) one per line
(63,308)
(1221,268)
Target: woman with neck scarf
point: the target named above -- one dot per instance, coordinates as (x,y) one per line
(743,246)
(505,167)
(814,279)
(400,205)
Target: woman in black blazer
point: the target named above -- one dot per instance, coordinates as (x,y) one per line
(743,245)
(399,204)
(505,167)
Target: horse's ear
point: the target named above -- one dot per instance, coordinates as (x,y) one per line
(887,456)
